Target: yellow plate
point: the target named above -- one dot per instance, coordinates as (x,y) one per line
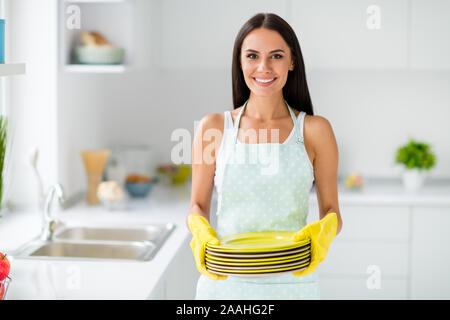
(263,241)
(254,255)
(296,263)
(258,271)
(257,275)
(256,262)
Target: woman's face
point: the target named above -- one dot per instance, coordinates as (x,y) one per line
(266,56)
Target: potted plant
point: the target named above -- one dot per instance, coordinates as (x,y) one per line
(417,159)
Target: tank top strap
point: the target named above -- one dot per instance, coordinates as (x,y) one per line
(228,120)
(301,122)
(297,128)
(236,123)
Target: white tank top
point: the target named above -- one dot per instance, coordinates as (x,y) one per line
(227,137)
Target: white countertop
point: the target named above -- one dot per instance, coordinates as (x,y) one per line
(391,192)
(75,279)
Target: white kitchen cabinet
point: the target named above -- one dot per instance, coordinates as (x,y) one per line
(113,19)
(430,34)
(365,222)
(335,34)
(384,223)
(430,253)
(356,257)
(182,275)
(159,292)
(11,69)
(356,288)
(374,239)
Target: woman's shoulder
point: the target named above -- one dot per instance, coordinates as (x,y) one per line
(317,123)
(217,120)
(212,121)
(317,129)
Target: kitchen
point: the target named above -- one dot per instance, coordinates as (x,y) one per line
(377,70)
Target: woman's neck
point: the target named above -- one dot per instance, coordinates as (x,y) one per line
(266,108)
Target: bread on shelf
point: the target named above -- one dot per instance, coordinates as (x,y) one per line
(94,38)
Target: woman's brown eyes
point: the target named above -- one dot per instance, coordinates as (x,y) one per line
(275,55)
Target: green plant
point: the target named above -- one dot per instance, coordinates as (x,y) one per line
(3,136)
(416,155)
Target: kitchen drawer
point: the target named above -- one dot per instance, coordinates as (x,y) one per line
(356,288)
(370,222)
(353,258)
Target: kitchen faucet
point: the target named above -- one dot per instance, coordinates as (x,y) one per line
(48,219)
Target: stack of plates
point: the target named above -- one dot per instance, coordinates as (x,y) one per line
(256,254)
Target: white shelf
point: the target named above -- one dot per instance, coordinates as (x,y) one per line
(93,1)
(102,16)
(82,68)
(11,69)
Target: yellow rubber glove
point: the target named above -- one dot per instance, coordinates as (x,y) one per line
(202,233)
(321,233)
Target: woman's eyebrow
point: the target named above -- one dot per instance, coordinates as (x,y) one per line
(252,50)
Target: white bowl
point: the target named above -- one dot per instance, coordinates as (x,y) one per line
(99,55)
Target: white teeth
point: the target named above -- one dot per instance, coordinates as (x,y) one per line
(264,81)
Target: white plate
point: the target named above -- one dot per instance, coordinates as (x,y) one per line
(257,255)
(257,275)
(274,266)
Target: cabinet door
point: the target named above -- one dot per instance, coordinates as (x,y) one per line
(359,257)
(377,223)
(345,34)
(430,39)
(430,261)
(356,288)
(181,276)
(373,243)
(201,33)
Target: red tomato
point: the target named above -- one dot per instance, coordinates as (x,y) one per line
(4,267)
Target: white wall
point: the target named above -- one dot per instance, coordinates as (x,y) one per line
(374,112)
(181,70)
(373,109)
(31,38)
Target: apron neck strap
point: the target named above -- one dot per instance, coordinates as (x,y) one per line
(294,119)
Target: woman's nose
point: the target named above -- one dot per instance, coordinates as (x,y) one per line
(263,65)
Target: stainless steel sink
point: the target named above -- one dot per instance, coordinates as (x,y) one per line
(98,243)
(155,233)
(141,251)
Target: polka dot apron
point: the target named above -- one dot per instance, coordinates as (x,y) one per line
(265,187)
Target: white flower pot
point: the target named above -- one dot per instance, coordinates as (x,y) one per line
(413,179)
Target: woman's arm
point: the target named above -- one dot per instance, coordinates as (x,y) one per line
(206,142)
(325,165)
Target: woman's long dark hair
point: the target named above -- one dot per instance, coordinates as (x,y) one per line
(295,91)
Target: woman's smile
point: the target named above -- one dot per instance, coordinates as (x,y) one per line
(264,82)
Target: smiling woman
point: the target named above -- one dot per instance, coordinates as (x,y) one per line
(283,58)
(271,100)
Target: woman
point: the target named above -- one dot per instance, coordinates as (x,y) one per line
(272,110)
